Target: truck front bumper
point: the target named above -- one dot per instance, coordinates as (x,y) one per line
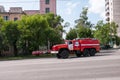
(54,52)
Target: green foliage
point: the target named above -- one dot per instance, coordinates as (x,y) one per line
(11,34)
(117,40)
(72,34)
(83,28)
(37,30)
(1,40)
(113,28)
(1,21)
(106,32)
(84,32)
(53,20)
(31,32)
(83,20)
(102,33)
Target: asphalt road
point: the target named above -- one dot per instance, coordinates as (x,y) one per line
(104,66)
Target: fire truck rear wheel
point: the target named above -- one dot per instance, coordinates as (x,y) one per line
(92,52)
(78,53)
(86,53)
(64,54)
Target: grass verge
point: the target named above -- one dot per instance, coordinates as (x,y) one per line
(27,57)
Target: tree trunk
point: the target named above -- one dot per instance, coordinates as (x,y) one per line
(15,50)
(0,54)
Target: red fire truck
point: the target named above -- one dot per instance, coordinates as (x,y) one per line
(83,46)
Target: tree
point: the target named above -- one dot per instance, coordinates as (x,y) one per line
(83,28)
(53,20)
(113,32)
(106,32)
(84,32)
(1,21)
(11,34)
(72,34)
(117,40)
(55,27)
(83,20)
(1,38)
(103,34)
(33,30)
(113,28)
(37,30)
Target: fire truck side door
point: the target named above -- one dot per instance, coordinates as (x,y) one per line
(70,45)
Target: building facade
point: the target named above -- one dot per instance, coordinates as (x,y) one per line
(113,12)
(15,13)
(31,12)
(2,9)
(47,6)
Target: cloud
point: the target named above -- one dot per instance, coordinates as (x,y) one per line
(70,7)
(97,7)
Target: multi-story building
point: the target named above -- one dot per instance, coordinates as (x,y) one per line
(15,13)
(47,6)
(2,9)
(113,12)
(31,12)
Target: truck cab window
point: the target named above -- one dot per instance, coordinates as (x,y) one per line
(70,42)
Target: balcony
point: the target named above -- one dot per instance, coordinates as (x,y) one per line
(106,0)
(107,9)
(107,3)
(107,13)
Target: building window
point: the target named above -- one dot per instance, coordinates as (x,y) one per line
(47,10)
(47,1)
(15,19)
(6,18)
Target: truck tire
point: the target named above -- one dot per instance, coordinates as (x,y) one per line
(64,54)
(86,53)
(58,56)
(92,52)
(78,53)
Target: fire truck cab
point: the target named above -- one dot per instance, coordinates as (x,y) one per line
(81,47)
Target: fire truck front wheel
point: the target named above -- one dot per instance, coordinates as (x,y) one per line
(86,53)
(58,56)
(63,54)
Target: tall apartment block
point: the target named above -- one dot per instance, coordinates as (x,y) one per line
(113,12)
(47,6)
